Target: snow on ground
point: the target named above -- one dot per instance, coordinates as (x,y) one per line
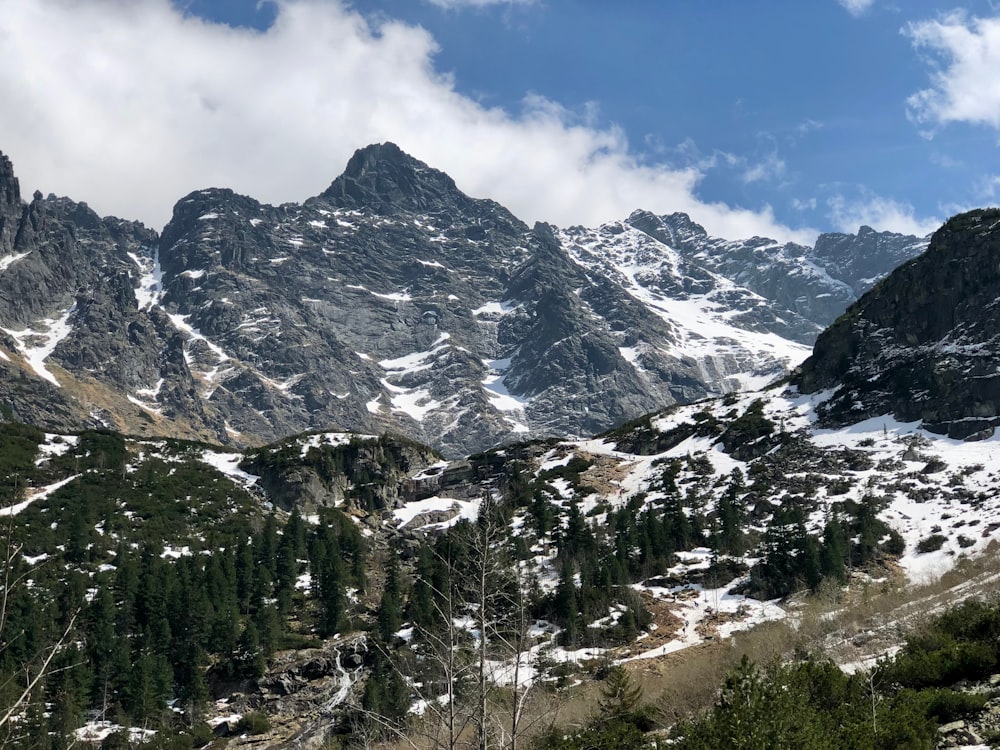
(434,264)
(698,606)
(554,461)
(143,405)
(55,445)
(145,398)
(969,525)
(153,392)
(500,398)
(468,509)
(331,439)
(33,495)
(416,361)
(702,323)
(414,402)
(432,470)
(150,287)
(180,323)
(95,732)
(283,386)
(228,464)
(631,354)
(402,296)
(494,308)
(865,664)
(8,260)
(36,344)
(930,484)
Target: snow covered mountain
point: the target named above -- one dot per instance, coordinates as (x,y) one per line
(392,301)
(686,525)
(816,283)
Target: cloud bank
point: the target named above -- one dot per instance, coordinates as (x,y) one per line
(964,54)
(131,104)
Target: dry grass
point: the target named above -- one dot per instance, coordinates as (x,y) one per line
(847,625)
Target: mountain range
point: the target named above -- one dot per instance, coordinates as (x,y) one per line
(393,301)
(266,587)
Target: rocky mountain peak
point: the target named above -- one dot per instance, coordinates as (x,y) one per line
(10,206)
(387,180)
(919,344)
(10,188)
(676,230)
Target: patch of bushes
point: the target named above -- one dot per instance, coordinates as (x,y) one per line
(932,543)
(254,722)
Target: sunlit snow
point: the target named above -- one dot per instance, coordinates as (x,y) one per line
(33,495)
(8,260)
(228,464)
(36,344)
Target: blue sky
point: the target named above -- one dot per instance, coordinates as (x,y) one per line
(781,118)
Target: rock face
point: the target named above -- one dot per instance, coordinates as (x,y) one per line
(329,469)
(392,301)
(67,299)
(921,344)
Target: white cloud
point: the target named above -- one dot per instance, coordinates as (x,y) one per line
(808,125)
(986,188)
(771,167)
(964,55)
(455,4)
(760,167)
(857,7)
(945,161)
(130,104)
(878,212)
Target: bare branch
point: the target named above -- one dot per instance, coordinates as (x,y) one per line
(41,672)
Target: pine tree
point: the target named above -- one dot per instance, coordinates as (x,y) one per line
(287,571)
(268,625)
(328,577)
(565,606)
(244,576)
(620,695)
(421,604)
(731,516)
(249,659)
(192,688)
(101,642)
(833,555)
(389,617)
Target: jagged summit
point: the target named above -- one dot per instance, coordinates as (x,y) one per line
(10,188)
(384,178)
(10,205)
(922,343)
